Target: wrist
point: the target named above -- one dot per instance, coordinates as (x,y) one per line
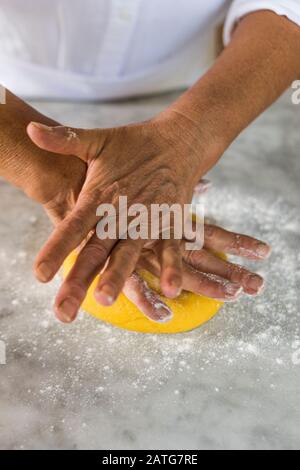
(197,131)
(20,160)
(50,179)
(14,156)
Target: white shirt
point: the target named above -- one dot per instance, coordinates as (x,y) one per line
(104,49)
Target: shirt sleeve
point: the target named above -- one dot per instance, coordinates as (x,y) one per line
(240,8)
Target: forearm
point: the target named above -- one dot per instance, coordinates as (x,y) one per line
(21,162)
(252,72)
(15,146)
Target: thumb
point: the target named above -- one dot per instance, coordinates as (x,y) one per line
(84,143)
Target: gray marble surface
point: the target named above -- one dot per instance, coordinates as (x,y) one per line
(232,384)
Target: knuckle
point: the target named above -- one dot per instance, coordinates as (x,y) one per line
(114,276)
(235,272)
(77,285)
(90,198)
(172,250)
(127,250)
(95,251)
(130,249)
(75,223)
(237,241)
(194,257)
(164,177)
(130,256)
(232,271)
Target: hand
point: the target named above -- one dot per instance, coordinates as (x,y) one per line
(74,288)
(49,179)
(204,273)
(151,163)
(55,182)
(57,188)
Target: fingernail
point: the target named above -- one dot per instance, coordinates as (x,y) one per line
(43,272)
(255,285)
(172,293)
(68,309)
(163,313)
(173,289)
(255,282)
(41,126)
(232,290)
(263,250)
(105,295)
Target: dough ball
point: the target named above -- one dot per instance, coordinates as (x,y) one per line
(190,310)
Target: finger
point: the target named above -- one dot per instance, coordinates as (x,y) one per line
(71,232)
(84,143)
(146,300)
(65,238)
(207,284)
(218,239)
(207,262)
(170,257)
(89,263)
(210,285)
(121,264)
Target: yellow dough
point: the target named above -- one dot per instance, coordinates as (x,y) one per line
(190,310)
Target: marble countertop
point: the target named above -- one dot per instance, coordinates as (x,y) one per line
(232,384)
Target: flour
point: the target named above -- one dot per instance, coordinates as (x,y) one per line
(92,362)
(71,135)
